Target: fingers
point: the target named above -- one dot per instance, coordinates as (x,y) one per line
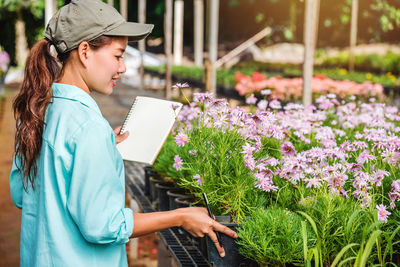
(117,130)
(225,230)
(218,246)
(121,137)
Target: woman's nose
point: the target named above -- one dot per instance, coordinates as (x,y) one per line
(122,66)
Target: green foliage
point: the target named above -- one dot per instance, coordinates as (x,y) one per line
(216,156)
(165,159)
(225,77)
(390,15)
(273,237)
(346,233)
(388,62)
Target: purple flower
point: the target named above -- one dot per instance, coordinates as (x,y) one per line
(248,149)
(4,60)
(275,104)
(181,139)
(378,176)
(203,97)
(175,106)
(313,182)
(249,161)
(177,163)
(382,213)
(263,104)
(251,99)
(396,186)
(198,179)
(266,185)
(287,149)
(365,157)
(180,85)
(265,92)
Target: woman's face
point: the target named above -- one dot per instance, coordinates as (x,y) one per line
(105,66)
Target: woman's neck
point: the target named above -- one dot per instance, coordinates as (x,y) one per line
(71,75)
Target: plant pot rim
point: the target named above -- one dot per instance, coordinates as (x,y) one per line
(165,185)
(173,193)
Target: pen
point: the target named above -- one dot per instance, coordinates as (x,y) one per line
(212,217)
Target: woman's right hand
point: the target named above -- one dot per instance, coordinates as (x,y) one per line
(197,222)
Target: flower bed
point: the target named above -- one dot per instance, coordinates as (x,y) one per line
(320,182)
(291,89)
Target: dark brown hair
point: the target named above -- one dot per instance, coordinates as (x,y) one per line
(35,94)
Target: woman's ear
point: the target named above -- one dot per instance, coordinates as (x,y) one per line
(83,52)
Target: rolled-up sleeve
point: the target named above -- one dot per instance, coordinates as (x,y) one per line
(96,196)
(16,188)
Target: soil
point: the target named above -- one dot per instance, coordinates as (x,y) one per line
(10,216)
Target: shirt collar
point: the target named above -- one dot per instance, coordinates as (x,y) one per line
(62,90)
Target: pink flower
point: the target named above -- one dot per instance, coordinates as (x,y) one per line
(365,157)
(180,85)
(4,60)
(175,106)
(198,179)
(378,176)
(287,149)
(275,104)
(249,161)
(181,139)
(263,104)
(177,163)
(396,186)
(251,99)
(248,149)
(265,92)
(382,213)
(313,182)
(267,186)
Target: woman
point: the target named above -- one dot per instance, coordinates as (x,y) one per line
(67,176)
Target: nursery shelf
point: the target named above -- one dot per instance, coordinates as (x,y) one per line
(176,241)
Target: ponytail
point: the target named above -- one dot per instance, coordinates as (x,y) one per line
(41,71)
(30,105)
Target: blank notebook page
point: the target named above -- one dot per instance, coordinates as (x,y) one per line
(149,123)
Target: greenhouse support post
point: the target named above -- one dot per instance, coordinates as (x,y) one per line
(124,8)
(310,37)
(213,44)
(50,10)
(142,44)
(168,46)
(178,31)
(198,32)
(353,33)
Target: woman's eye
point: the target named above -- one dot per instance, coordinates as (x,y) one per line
(119,57)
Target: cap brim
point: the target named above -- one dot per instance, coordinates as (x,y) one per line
(134,31)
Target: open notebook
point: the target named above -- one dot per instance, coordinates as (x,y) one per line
(149,122)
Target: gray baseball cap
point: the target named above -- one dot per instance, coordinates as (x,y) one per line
(85,20)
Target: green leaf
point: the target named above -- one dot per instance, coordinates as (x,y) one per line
(368,247)
(311,221)
(340,254)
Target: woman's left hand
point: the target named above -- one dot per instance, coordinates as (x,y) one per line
(120,137)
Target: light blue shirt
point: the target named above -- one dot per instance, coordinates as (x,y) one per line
(75,215)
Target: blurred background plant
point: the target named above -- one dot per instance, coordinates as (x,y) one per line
(4,62)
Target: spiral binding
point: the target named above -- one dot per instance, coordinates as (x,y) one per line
(128,116)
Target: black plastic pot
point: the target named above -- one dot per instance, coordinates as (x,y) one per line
(148,172)
(153,196)
(232,257)
(173,194)
(163,199)
(184,202)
